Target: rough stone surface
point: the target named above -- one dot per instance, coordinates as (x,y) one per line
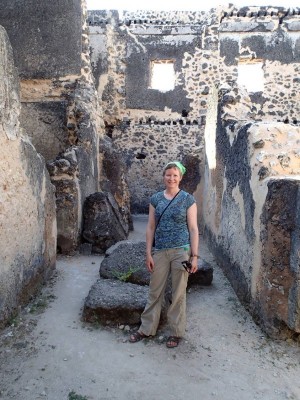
(123,258)
(113,177)
(45,123)
(113,301)
(60,112)
(146,149)
(148,126)
(102,222)
(27,202)
(45,43)
(246,231)
(74,172)
(279,283)
(127,260)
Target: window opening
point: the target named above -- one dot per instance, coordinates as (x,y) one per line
(162,75)
(251,75)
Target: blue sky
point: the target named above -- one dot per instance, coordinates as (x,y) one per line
(181,5)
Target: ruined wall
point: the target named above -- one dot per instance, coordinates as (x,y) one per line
(208,49)
(149,127)
(60,110)
(252,173)
(47,52)
(270,36)
(27,201)
(146,147)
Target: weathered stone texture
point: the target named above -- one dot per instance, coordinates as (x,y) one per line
(146,148)
(45,43)
(114,177)
(246,230)
(27,203)
(45,123)
(149,127)
(60,111)
(102,222)
(121,296)
(127,261)
(9,89)
(279,281)
(264,34)
(115,302)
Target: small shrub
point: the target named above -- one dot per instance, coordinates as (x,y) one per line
(124,276)
(74,396)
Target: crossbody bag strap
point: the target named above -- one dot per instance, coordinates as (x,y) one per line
(166,208)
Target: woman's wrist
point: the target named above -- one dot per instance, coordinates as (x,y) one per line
(194,256)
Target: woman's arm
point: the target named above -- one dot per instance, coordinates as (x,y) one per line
(194,235)
(149,238)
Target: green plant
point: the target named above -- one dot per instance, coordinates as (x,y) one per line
(124,276)
(74,396)
(14,320)
(39,305)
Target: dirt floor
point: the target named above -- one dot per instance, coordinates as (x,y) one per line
(49,353)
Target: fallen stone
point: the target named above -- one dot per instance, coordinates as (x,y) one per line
(115,301)
(125,261)
(103,225)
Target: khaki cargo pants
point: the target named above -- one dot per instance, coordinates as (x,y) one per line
(166,262)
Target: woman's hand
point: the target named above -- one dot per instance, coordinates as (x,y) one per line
(193,261)
(149,263)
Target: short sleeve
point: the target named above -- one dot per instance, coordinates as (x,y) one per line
(154,199)
(190,200)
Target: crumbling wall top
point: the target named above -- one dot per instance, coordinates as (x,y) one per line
(104,17)
(262,11)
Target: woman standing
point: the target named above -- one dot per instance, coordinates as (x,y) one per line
(173,225)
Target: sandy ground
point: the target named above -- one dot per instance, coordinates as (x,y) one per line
(49,353)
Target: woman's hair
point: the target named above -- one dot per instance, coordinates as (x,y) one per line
(175,164)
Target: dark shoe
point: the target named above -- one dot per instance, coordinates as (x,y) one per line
(173,341)
(136,337)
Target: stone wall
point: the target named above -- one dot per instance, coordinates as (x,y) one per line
(271,36)
(60,110)
(27,201)
(251,211)
(149,127)
(146,148)
(207,50)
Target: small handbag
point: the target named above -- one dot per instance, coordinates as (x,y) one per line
(153,243)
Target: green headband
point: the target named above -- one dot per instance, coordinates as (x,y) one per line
(178,164)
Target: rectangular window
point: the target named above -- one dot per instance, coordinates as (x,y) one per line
(162,75)
(251,75)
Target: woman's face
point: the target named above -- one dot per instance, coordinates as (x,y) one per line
(172,177)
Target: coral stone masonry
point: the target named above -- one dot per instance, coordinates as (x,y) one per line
(95,103)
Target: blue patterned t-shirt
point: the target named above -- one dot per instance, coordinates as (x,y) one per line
(172,230)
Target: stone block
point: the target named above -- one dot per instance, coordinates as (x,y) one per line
(102,222)
(114,302)
(126,261)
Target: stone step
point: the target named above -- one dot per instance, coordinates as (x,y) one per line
(111,301)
